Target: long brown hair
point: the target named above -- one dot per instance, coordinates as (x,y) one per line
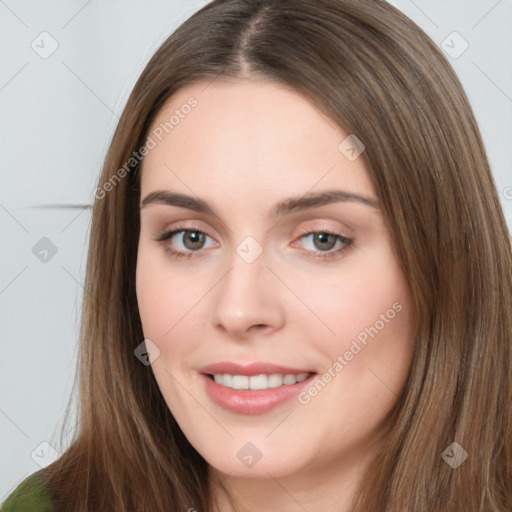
(378,76)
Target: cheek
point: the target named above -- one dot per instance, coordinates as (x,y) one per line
(171,307)
(166,306)
(360,296)
(367,334)
(154,300)
(161,294)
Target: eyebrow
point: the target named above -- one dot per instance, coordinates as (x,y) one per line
(292,204)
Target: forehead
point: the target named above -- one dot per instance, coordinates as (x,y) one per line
(234,137)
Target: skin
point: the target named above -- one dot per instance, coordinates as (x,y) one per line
(244,147)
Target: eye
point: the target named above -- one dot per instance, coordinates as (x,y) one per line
(326,241)
(188,241)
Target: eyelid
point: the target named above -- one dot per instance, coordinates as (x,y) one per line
(322,223)
(168,232)
(321,229)
(192,225)
(195,226)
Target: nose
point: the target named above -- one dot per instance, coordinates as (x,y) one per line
(249,299)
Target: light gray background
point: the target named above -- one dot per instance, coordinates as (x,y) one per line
(58,115)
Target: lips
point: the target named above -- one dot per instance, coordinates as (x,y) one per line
(249,401)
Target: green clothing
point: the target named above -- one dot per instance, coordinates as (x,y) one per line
(31,495)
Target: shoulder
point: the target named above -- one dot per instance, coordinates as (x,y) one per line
(31,495)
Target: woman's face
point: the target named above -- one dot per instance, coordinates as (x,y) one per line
(272,278)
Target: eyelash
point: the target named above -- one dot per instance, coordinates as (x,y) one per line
(166,235)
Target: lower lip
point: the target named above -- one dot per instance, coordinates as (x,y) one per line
(251,402)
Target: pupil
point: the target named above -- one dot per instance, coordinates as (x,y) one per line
(323,239)
(195,238)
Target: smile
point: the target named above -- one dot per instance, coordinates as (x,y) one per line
(253,388)
(258,382)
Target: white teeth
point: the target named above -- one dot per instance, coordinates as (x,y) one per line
(256,382)
(274,381)
(240,382)
(289,379)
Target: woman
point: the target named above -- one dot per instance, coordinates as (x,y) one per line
(232,361)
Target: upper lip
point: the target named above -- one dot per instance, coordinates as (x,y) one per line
(256,368)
